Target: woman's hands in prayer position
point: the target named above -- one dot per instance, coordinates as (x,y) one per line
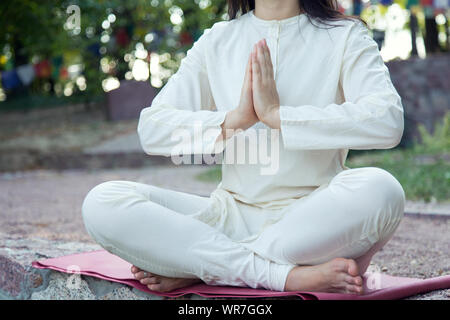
(266,101)
(259,96)
(244,116)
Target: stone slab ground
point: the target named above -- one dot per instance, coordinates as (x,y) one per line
(40,218)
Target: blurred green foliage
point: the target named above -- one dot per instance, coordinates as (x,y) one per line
(437,142)
(33,30)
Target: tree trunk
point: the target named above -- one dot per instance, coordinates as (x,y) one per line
(413,24)
(431,36)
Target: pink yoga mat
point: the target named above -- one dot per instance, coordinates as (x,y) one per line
(104,265)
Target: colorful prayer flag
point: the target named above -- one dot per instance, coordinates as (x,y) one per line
(10,80)
(26,74)
(426,3)
(43,69)
(386,2)
(412,3)
(441,4)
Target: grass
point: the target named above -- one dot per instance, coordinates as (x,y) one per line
(421,180)
(212,175)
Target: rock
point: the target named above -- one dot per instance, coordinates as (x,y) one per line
(19,280)
(59,289)
(63,286)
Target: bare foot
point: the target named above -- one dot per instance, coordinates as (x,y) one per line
(159,283)
(337,275)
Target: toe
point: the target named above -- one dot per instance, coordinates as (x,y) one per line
(354,289)
(144,274)
(167,286)
(349,279)
(353,280)
(358,280)
(135,269)
(151,280)
(353,269)
(140,275)
(155,287)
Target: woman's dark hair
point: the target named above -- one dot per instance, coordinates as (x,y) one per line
(319,10)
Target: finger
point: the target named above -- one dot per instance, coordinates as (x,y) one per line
(247,68)
(250,70)
(268,58)
(262,61)
(264,50)
(268,51)
(247,84)
(256,70)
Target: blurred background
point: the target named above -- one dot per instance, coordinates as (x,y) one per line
(75,75)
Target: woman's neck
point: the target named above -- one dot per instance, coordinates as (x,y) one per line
(276,9)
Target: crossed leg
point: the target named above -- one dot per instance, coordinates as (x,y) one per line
(155,230)
(333,233)
(323,243)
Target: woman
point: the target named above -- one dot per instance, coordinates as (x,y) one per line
(310,224)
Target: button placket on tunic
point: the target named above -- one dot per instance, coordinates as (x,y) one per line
(274,36)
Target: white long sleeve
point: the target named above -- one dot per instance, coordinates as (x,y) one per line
(181,118)
(335,93)
(371,116)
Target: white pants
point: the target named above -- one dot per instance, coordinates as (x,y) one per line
(156,229)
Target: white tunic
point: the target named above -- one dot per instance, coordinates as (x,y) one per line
(335,94)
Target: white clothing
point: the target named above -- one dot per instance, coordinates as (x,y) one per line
(167,233)
(335,94)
